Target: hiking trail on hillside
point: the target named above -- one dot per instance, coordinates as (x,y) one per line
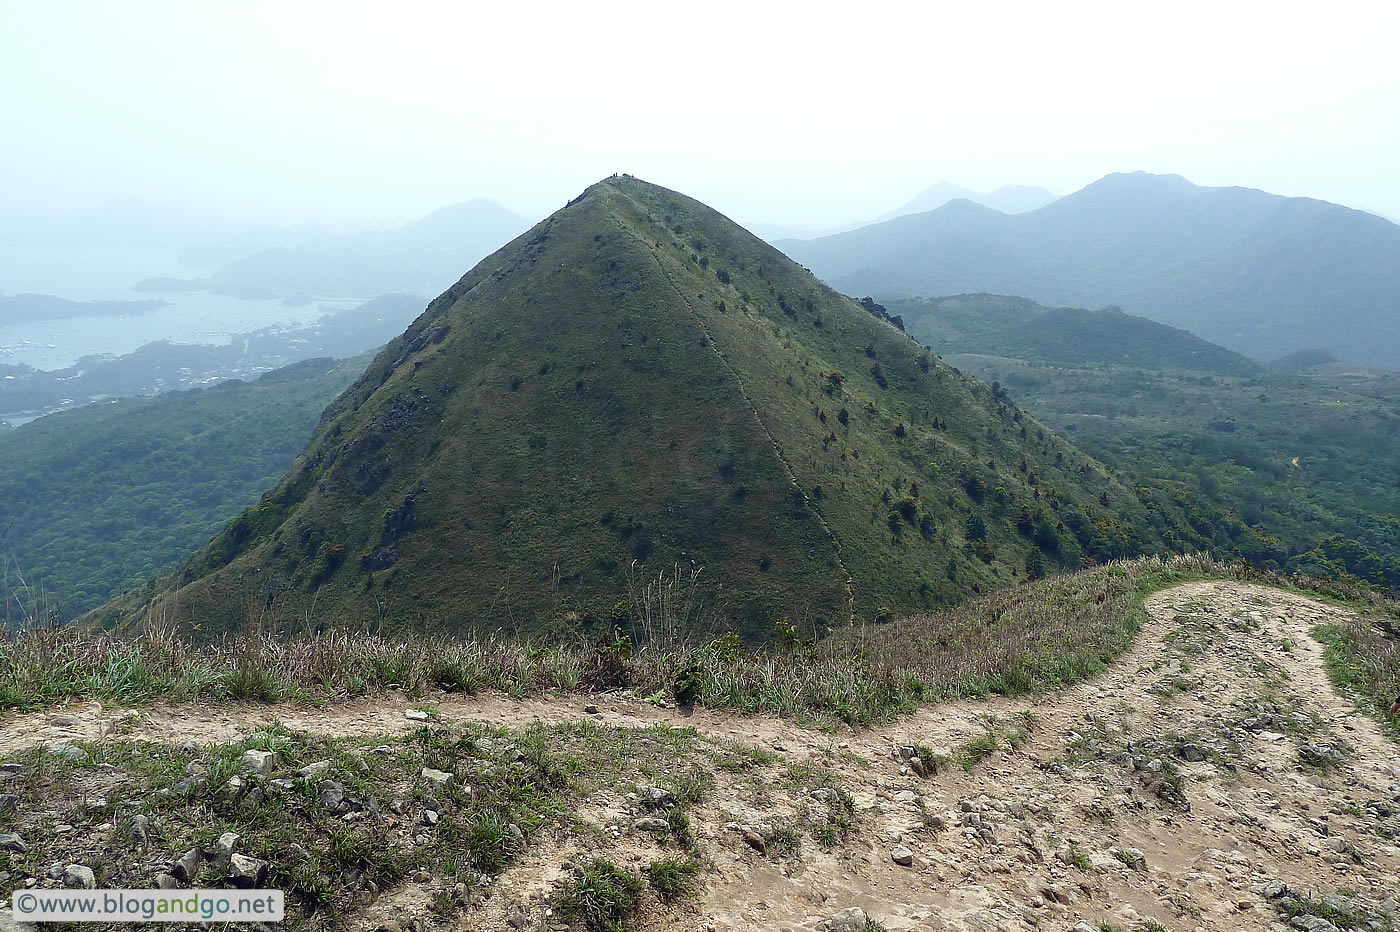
(1210,766)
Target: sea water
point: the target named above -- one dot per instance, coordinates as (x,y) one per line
(102,273)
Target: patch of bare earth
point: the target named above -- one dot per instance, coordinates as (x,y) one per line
(1211,764)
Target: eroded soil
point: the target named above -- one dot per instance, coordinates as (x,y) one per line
(1212,759)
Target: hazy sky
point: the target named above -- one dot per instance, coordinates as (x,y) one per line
(799,113)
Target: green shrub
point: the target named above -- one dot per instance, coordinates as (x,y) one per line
(602,897)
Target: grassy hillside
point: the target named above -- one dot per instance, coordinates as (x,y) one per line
(102,498)
(633,385)
(1294,473)
(1260,274)
(1009,326)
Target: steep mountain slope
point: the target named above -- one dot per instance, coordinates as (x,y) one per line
(1261,274)
(1001,325)
(634,384)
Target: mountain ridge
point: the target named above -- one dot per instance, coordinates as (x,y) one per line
(423,255)
(1258,273)
(637,384)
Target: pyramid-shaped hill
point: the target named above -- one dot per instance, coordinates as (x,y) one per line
(638,384)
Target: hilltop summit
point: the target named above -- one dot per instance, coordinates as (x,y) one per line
(637,384)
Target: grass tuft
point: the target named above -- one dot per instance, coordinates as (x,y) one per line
(602,898)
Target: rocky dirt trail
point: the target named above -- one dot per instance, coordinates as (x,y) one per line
(1210,772)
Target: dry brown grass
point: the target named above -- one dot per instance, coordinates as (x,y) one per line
(1036,636)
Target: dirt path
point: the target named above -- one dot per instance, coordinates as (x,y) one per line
(1212,758)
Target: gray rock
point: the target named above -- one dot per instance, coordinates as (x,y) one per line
(76,875)
(331,793)
(848,920)
(66,751)
(659,797)
(281,784)
(314,770)
(139,833)
(166,881)
(902,856)
(192,784)
(9,841)
(187,867)
(8,924)
(651,825)
(430,817)
(416,715)
(246,872)
(1339,845)
(8,801)
(228,843)
(1193,753)
(232,787)
(438,779)
(1082,926)
(259,762)
(1131,857)
(1312,924)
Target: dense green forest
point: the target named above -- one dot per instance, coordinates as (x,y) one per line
(105,497)
(1292,472)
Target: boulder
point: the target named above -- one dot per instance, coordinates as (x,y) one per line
(848,920)
(259,762)
(78,876)
(246,872)
(438,779)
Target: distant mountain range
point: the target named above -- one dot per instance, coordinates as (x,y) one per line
(1010,199)
(1261,274)
(424,256)
(1001,325)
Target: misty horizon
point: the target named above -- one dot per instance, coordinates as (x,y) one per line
(355,117)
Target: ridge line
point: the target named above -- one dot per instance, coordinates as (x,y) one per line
(807,500)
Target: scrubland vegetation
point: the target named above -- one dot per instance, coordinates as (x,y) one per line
(1039,635)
